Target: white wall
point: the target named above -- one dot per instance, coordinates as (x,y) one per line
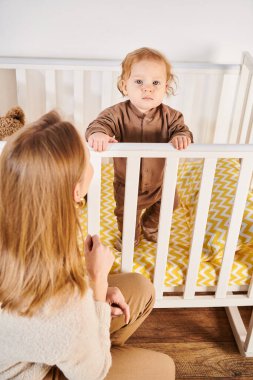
(185,30)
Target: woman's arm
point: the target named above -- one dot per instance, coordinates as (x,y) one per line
(88,354)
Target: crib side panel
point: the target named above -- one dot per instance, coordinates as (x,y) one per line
(80,90)
(233,211)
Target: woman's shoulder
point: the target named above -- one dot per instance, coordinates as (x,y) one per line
(55,326)
(66,302)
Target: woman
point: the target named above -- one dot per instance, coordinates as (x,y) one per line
(56,305)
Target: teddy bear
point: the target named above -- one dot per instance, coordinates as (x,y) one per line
(11,122)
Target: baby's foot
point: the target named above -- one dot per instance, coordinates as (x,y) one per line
(150,234)
(118,244)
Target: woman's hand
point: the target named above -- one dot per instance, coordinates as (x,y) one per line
(180,142)
(117,302)
(99,141)
(99,260)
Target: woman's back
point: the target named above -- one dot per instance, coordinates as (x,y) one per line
(48,314)
(67,337)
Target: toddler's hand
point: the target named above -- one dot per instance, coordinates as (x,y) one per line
(99,141)
(180,142)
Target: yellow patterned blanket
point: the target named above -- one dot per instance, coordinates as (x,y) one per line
(189,176)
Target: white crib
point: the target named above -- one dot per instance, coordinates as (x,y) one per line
(217,102)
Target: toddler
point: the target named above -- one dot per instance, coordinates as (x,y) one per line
(145,79)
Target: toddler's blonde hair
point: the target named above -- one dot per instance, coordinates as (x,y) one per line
(141,54)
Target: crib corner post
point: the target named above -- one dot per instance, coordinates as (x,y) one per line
(243,337)
(248,345)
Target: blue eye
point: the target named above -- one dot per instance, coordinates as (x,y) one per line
(138,81)
(156,82)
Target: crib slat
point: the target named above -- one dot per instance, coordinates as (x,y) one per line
(130,207)
(50,88)
(106,97)
(21,80)
(234,228)
(207,132)
(222,124)
(240,104)
(250,132)
(166,212)
(247,118)
(250,290)
(94,196)
(78,99)
(205,193)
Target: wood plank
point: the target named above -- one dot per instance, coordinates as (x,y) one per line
(188,325)
(199,340)
(204,359)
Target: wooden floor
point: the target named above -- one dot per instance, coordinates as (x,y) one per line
(199,340)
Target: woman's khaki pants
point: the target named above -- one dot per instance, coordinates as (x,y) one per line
(131,363)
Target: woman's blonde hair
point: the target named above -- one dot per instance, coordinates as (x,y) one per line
(39,255)
(145,54)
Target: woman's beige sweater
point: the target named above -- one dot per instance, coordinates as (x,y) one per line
(76,339)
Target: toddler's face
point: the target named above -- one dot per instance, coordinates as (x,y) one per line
(147,85)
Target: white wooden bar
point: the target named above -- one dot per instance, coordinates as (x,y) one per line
(94,196)
(130,209)
(226,104)
(204,289)
(72,64)
(205,193)
(250,290)
(250,132)
(78,98)
(50,88)
(106,97)
(240,104)
(237,326)
(234,227)
(203,301)
(166,213)
(21,80)
(247,117)
(166,150)
(105,64)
